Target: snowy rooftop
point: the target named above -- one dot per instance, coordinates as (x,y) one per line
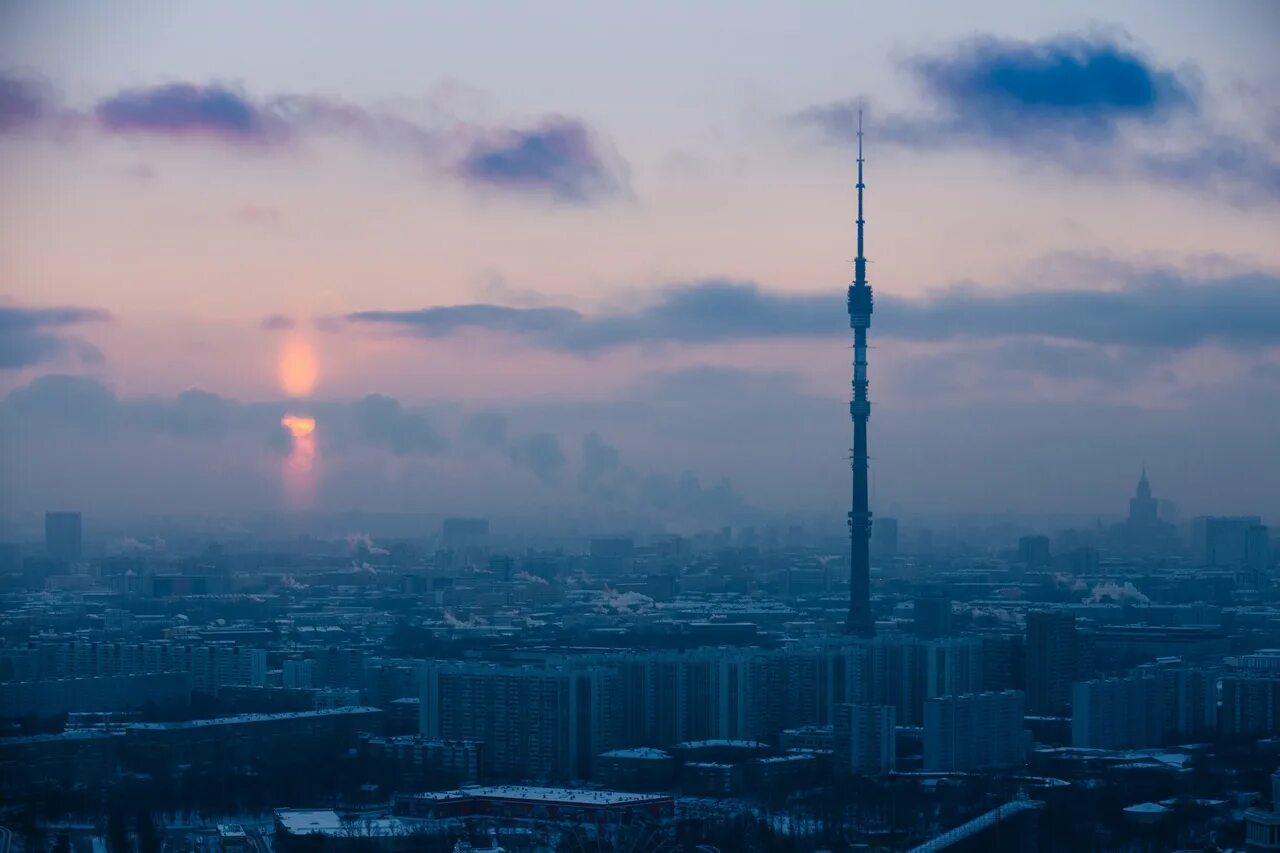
(1146,808)
(1175,760)
(303,821)
(74,734)
(329,822)
(565,796)
(254,718)
(636,752)
(734,744)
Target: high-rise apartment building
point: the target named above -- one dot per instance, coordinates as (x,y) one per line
(1189,698)
(1052,662)
(887,670)
(536,722)
(953,666)
(975,731)
(865,739)
(1004,664)
(1250,707)
(298,673)
(1118,713)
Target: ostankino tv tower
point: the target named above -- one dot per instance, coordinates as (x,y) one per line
(860,623)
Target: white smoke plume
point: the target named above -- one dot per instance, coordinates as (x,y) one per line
(1110,591)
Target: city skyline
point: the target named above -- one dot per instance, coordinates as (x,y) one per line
(447,427)
(460,281)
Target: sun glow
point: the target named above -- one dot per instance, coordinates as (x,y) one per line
(297,367)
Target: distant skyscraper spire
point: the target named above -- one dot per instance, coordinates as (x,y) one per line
(1143,508)
(860,623)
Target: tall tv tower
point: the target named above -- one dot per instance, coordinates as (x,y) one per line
(860,623)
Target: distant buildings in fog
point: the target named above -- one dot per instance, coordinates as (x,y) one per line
(1240,542)
(63,536)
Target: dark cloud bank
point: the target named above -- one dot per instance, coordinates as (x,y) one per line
(70,410)
(1148,308)
(973,440)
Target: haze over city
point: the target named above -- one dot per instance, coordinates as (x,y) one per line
(589,261)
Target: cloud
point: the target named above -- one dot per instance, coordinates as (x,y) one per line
(1090,103)
(322,114)
(606,480)
(975,448)
(1060,361)
(1152,309)
(601,463)
(229,114)
(182,109)
(559,158)
(384,421)
(27,335)
(1038,97)
(702,312)
(445,320)
(64,401)
(277,323)
(82,403)
(24,100)
(489,428)
(191,412)
(1148,307)
(1266,373)
(1012,368)
(1238,168)
(57,399)
(539,452)
(1076,85)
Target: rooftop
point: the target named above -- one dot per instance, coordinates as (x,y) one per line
(74,734)
(636,752)
(329,822)
(721,743)
(254,718)
(565,796)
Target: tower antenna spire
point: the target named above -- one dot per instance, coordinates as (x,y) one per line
(860,623)
(860,184)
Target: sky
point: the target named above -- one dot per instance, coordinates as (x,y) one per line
(588,259)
